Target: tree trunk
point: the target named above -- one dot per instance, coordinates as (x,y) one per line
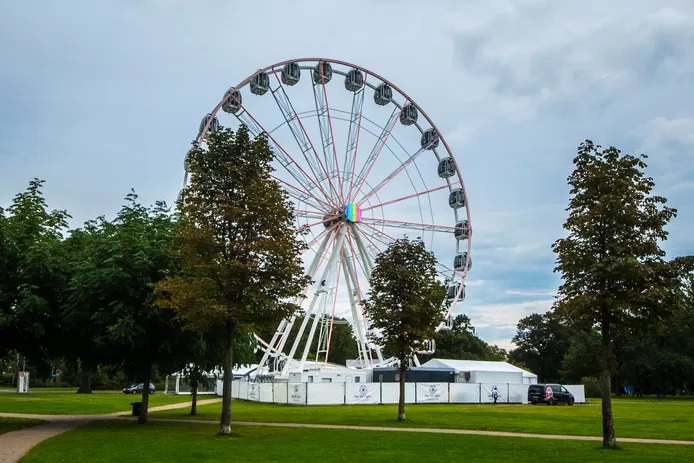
(194,402)
(608,435)
(143,418)
(401,400)
(85,380)
(225,421)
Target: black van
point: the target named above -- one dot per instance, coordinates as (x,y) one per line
(537,393)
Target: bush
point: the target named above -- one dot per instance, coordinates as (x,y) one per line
(592,386)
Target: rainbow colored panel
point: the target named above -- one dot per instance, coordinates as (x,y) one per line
(353,212)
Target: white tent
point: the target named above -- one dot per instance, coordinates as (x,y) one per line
(478,371)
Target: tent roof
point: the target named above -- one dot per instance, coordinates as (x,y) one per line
(477,365)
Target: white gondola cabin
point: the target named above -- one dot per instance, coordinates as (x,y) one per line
(214,124)
(430,139)
(291,73)
(456,198)
(232,101)
(322,73)
(460,261)
(260,83)
(354,80)
(452,292)
(446,168)
(462,230)
(383,94)
(409,114)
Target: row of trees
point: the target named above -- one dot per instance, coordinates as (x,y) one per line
(659,362)
(154,287)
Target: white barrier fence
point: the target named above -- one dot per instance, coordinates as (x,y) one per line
(383,393)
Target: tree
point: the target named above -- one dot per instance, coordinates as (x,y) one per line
(113,288)
(582,358)
(32,273)
(237,249)
(611,262)
(542,341)
(405,304)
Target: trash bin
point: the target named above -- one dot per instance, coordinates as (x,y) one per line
(137,407)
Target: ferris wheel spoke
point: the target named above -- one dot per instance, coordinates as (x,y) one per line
(373,246)
(301,137)
(405,198)
(373,156)
(320,222)
(408,225)
(304,196)
(394,173)
(320,96)
(308,214)
(287,162)
(355,119)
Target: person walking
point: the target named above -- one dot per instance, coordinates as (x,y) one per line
(495,394)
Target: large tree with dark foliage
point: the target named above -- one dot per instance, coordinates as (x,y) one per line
(542,341)
(613,269)
(111,292)
(405,304)
(32,274)
(239,254)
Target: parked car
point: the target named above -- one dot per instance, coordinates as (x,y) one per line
(537,393)
(137,389)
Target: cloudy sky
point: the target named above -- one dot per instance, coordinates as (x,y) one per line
(100,97)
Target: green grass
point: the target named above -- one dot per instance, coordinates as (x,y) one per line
(15,424)
(126,441)
(633,418)
(70,403)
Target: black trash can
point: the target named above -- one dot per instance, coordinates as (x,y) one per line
(137,407)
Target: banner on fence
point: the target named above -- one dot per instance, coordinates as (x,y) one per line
(362,393)
(432,392)
(296,393)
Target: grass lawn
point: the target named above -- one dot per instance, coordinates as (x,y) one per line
(70,403)
(15,424)
(633,418)
(127,441)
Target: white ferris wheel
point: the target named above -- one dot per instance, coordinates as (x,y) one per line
(363,165)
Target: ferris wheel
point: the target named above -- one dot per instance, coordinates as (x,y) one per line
(363,165)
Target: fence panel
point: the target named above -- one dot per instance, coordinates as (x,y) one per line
(464,393)
(518,393)
(325,393)
(391,393)
(280,392)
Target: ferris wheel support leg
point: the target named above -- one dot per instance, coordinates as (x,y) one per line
(331,262)
(279,339)
(369,263)
(356,313)
(361,345)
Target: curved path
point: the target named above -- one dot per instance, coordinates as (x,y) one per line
(14,445)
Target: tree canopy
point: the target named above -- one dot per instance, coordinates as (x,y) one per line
(612,266)
(405,303)
(238,253)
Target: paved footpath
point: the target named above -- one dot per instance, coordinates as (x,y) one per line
(14,445)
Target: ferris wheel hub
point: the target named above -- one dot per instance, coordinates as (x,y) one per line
(353,212)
